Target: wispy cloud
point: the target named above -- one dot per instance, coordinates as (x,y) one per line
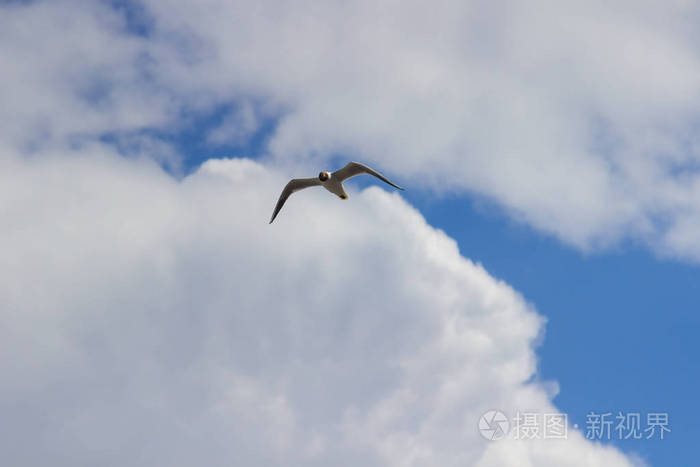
(578,119)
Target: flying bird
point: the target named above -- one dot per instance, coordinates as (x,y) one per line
(331,181)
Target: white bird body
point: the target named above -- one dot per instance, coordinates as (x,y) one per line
(335,186)
(332,182)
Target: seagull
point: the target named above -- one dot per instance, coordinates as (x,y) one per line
(331,181)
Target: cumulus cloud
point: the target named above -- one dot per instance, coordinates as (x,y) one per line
(152,321)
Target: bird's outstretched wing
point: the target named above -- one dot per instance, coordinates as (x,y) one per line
(294,185)
(355,168)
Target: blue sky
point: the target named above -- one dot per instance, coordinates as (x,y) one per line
(622,324)
(146,304)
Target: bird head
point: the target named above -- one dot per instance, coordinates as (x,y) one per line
(323,176)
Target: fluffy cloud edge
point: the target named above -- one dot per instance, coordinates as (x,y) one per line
(144,312)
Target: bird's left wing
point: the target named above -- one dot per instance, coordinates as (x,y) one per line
(294,185)
(355,168)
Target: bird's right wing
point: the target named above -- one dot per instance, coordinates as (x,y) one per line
(355,168)
(294,185)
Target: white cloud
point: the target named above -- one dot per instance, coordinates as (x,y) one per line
(73,72)
(573,117)
(146,320)
(578,118)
